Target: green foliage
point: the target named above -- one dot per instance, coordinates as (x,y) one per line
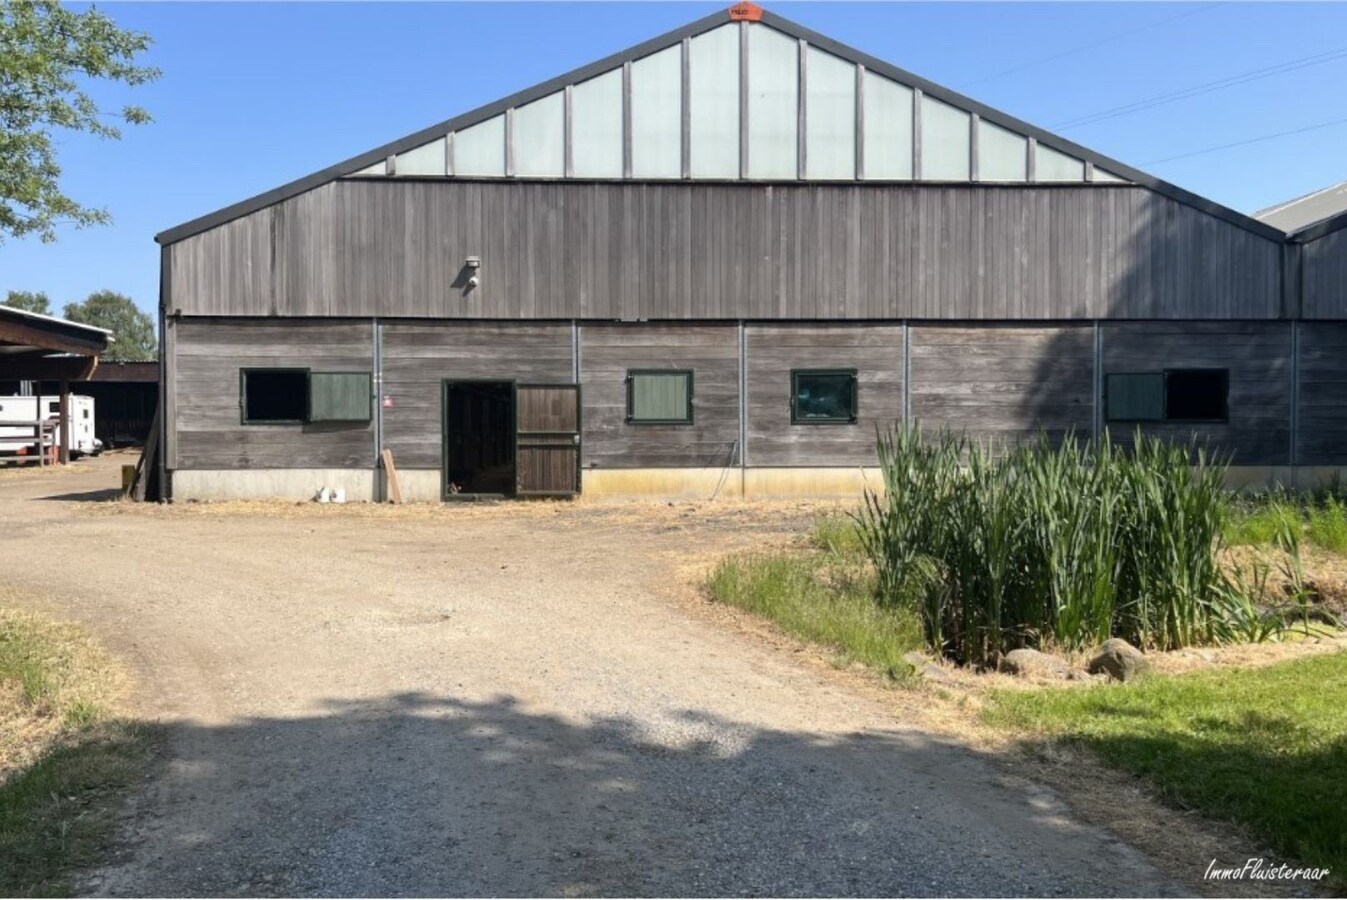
(1257,521)
(26,659)
(132,330)
(828,599)
(836,533)
(37,302)
(49,54)
(1327,525)
(1062,546)
(56,816)
(1264,747)
(1267,519)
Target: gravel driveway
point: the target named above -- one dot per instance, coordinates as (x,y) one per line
(505,701)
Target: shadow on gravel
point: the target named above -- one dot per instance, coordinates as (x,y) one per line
(425,795)
(103,496)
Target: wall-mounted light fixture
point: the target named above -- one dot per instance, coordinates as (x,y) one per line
(473,264)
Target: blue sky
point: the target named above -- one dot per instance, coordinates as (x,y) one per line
(254,95)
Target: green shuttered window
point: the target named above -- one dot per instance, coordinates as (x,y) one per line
(1174,395)
(339,396)
(299,396)
(1135,397)
(659,397)
(823,396)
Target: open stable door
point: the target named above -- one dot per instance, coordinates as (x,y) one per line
(547,436)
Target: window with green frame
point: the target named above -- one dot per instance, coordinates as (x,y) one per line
(659,396)
(301,396)
(823,397)
(1174,395)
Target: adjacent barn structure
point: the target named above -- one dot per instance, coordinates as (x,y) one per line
(45,350)
(717,263)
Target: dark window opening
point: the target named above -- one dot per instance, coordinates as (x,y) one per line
(275,396)
(659,397)
(823,397)
(1196,395)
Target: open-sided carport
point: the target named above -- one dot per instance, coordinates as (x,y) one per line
(34,347)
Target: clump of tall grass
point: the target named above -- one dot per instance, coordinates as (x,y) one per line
(1042,545)
(1327,525)
(836,533)
(1257,521)
(828,599)
(1262,520)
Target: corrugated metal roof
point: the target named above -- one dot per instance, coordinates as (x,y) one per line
(1293,215)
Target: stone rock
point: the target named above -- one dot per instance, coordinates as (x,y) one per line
(925,667)
(1119,660)
(1033,662)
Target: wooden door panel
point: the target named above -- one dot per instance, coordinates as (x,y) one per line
(547,450)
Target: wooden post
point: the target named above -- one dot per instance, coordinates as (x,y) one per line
(37,414)
(65,422)
(391,474)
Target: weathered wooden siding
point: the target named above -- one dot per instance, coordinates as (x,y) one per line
(1002,382)
(710,351)
(1258,355)
(874,351)
(1324,274)
(728,251)
(1322,432)
(206,429)
(419,356)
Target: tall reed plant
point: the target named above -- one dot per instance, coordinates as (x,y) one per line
(1048,545)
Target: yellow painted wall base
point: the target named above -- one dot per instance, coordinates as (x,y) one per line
(750,483)
(425,485)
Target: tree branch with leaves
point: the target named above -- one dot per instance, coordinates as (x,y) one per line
(46,52)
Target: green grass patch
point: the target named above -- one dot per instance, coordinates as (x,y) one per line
(1258,523)
(1263,747)
(836,533)
(65,760)
(823,598)
(58,815)
(1327,526)
(1261,521)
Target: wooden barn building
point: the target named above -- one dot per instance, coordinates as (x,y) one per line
(716,263)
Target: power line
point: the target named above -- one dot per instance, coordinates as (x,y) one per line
(1256,140)
(1090,46)
(1197,90)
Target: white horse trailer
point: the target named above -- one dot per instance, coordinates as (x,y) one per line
(19,417)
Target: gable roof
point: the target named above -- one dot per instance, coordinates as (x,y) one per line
(1303,211)
(1319,229)
(363,162)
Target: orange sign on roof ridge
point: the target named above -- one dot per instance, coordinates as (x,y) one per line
(746,12)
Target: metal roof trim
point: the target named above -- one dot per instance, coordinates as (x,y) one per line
(1322,228)
(53,320)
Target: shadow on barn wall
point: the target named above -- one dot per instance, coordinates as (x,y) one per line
(1058,391)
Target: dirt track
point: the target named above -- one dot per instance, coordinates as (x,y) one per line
(507,700)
